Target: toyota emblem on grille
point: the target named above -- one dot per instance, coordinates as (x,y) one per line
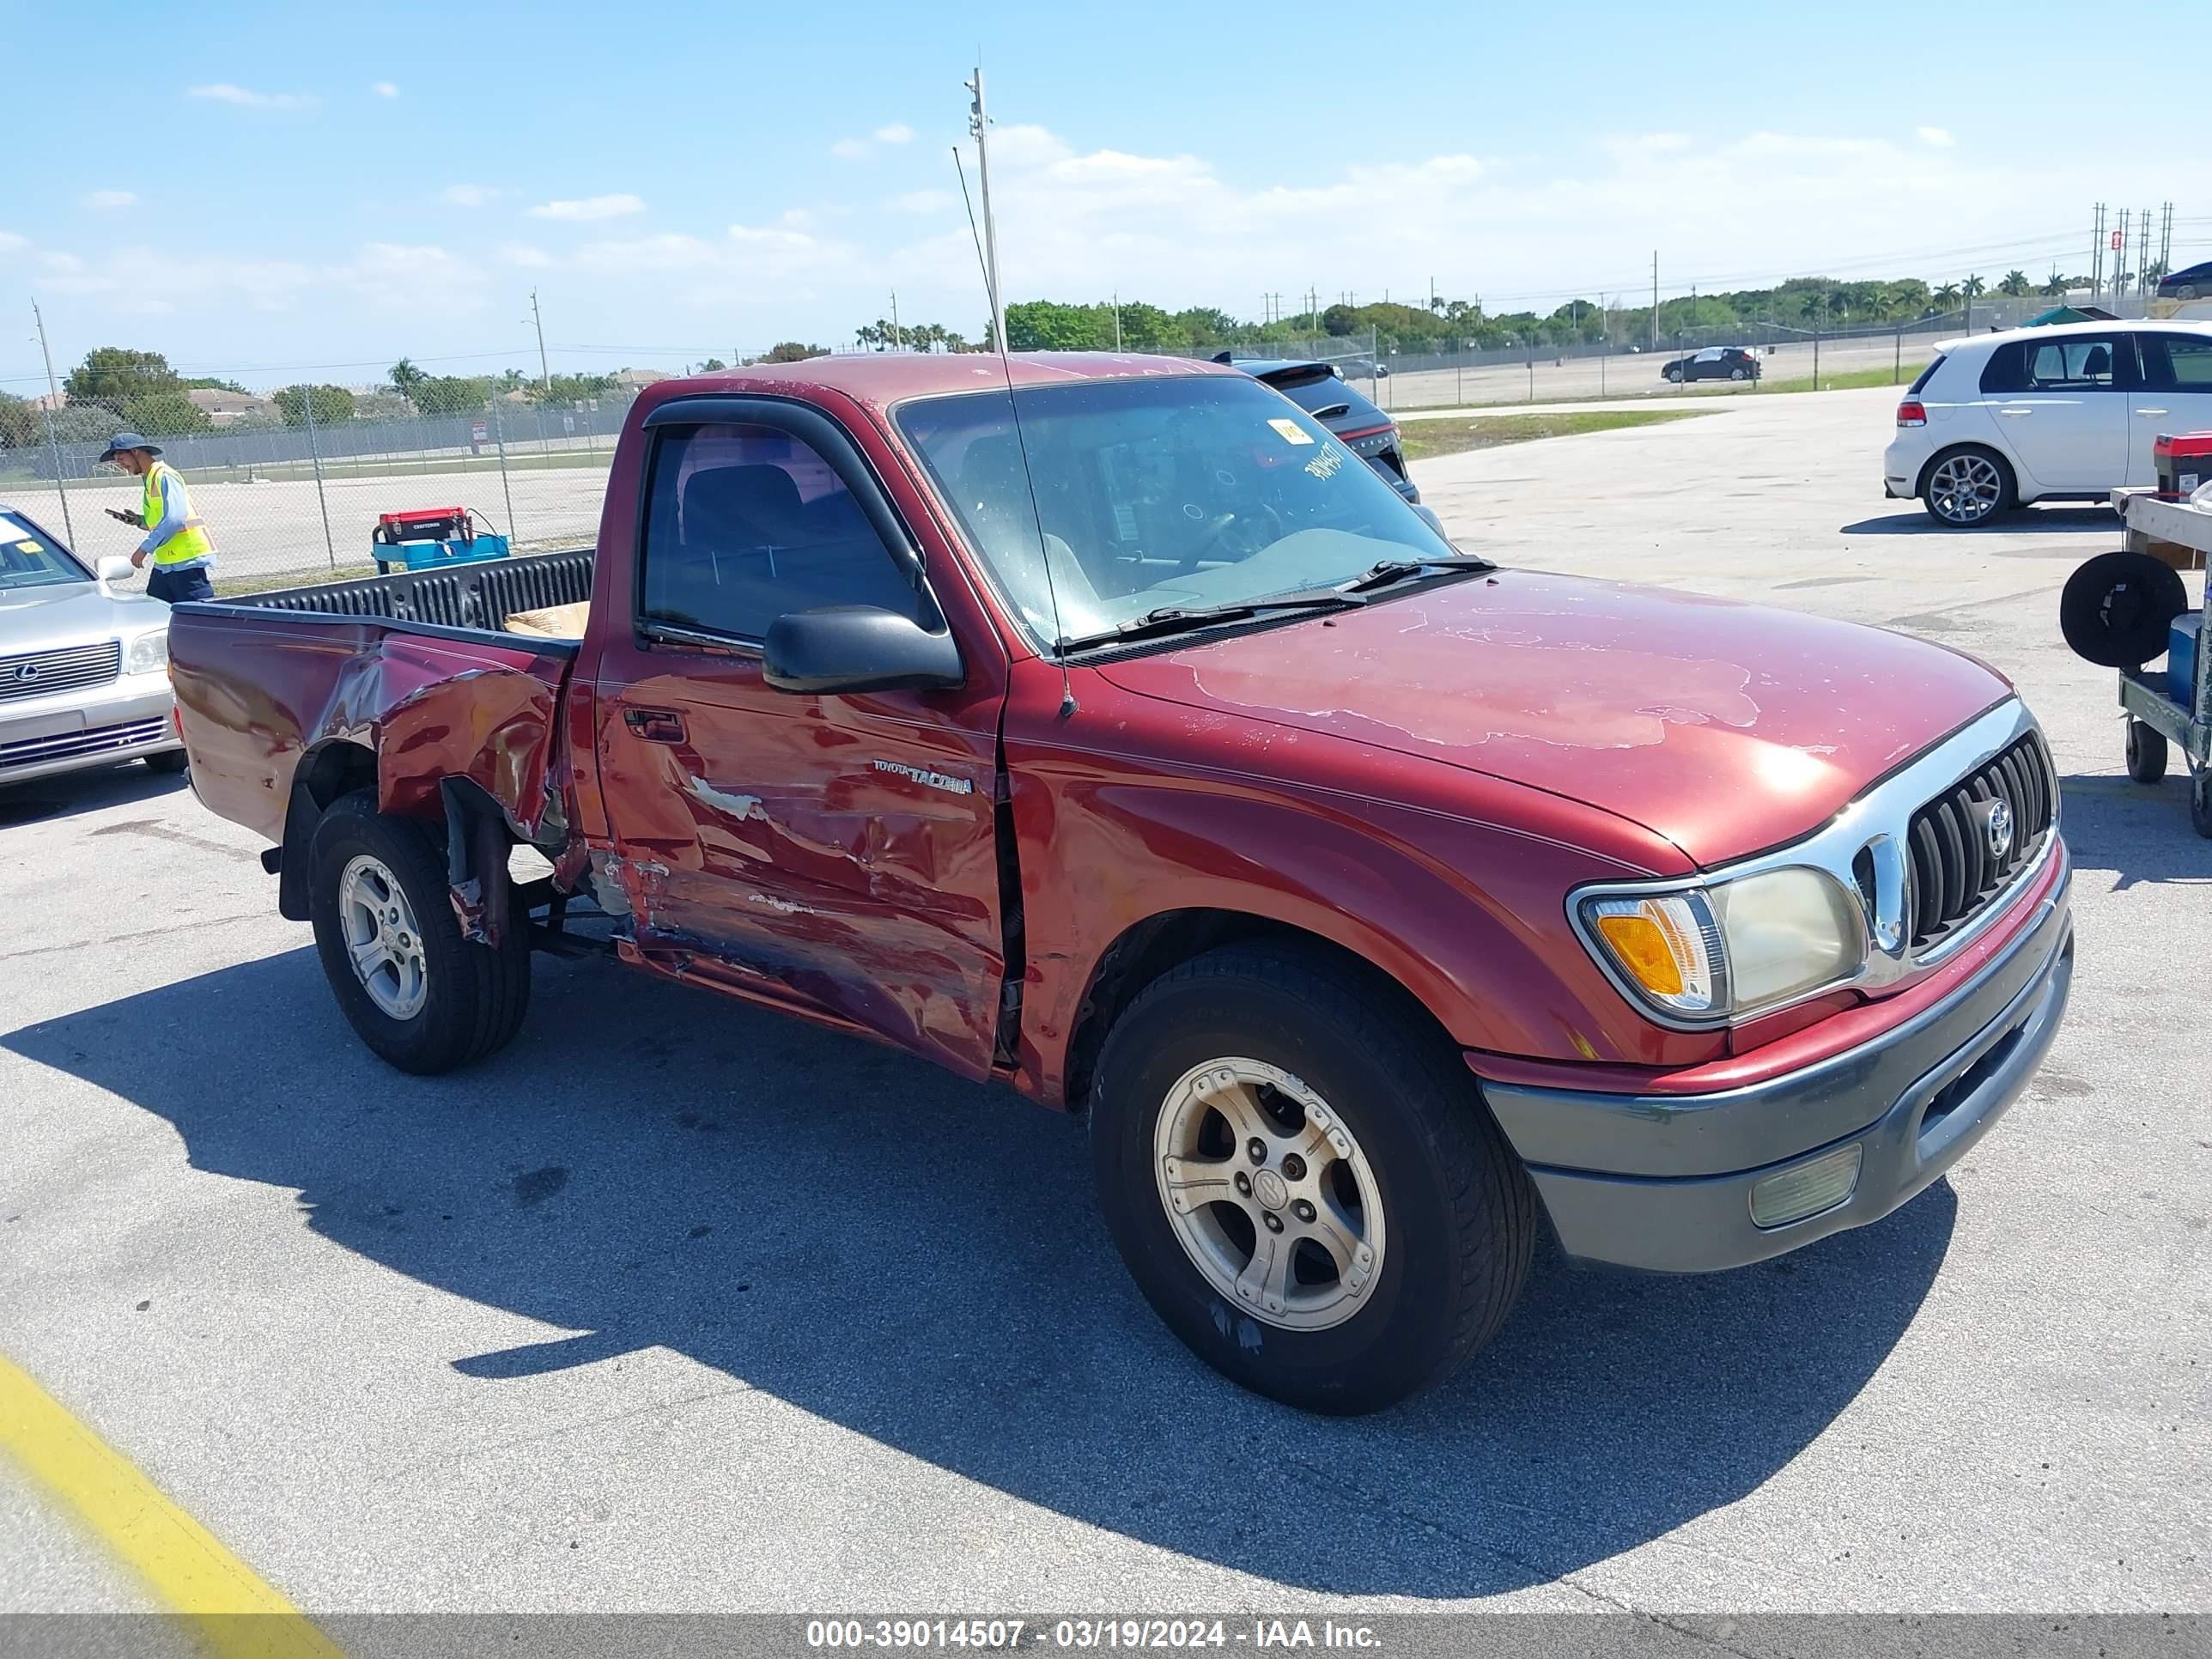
(26,672)
(1998,828)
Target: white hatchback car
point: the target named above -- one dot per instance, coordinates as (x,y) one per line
(2064,413)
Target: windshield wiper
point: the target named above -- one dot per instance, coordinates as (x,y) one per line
(1398,570)
(1184,619)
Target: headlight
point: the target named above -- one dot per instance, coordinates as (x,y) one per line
(149,654)
(1716,952)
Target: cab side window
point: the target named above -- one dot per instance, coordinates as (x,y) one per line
(744,524)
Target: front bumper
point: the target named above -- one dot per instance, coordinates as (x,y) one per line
(1931,1087)
(96,726)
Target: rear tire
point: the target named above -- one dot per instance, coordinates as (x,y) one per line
(2200,801)
(431,1001)
(169,760)
(2145,752)
(1969,487)
(1288,1052)
(1739,374)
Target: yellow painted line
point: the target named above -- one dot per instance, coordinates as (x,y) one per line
(234,1611)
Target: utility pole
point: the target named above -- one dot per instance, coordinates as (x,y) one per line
(2143,262)
(544,373)
(2097,257)
(898,336)
(979,123)
(53,440)
(1117,319)
(2166,240)
(1655,299)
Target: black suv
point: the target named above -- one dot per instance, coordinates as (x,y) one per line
(1358,424)
(1714,363)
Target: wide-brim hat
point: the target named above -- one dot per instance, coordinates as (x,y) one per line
(123,440)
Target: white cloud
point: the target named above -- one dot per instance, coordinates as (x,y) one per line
(589,208)
(467,196)
(110,199)
(849,149)
(924,201)
(897,133)
(9,241)
(747,264)
(222,91)
(524,256)
(1936,137)
(384,89)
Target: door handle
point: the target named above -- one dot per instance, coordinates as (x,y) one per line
(655,725)
(2016,413)
(2146,413)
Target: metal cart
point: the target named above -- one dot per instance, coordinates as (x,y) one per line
(423,538)
(2160,712)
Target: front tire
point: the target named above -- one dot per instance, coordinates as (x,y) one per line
(2200,801)
(169,762)
(1968,488)
(422,997)
(1739,374)
(1303,1180)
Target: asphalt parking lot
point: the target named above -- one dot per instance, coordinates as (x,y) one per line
(677,1305)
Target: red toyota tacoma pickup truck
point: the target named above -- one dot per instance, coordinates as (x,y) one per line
(1100,725)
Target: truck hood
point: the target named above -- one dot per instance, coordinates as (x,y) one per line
(47,618)
(1727,728)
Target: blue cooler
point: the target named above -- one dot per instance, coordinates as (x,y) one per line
(2181,643)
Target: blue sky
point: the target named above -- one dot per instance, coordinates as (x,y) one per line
(271,190)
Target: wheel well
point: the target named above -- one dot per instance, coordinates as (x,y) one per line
(324,774)
(2011,472)
(1159,943)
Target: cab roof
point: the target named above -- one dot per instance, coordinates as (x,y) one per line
(889,377)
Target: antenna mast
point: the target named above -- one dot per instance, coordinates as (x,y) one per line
(979,126)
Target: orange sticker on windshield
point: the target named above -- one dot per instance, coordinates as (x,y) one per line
(1292,432)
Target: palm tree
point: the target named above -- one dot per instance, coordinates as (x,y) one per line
(406,376)
(1973,286)
(2055,287)
(1947,295)
(2016,284)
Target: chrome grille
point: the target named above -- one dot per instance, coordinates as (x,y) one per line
(73,745)
(1958,861)
(40,673)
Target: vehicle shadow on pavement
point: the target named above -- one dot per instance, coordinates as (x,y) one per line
(920,1261)
(1912,521)
(84,792)
(2140,832)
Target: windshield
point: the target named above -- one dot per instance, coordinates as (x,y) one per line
(29,559)
(1156,494)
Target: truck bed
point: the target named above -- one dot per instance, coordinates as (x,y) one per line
(407,678)
(464,598)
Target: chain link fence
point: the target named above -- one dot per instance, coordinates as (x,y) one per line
(288,501)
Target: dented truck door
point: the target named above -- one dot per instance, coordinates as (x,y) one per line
(831,853)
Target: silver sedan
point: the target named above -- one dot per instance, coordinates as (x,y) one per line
(83,669)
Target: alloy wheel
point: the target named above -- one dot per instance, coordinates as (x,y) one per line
(382,938)
(1965,490)
(1269,1194)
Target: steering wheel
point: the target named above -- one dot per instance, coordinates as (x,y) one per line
(1238,536)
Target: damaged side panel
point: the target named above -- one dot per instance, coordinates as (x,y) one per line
(819,852)
(257,696)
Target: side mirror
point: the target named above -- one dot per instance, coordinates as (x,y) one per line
(1428,516)
(111,570)
(858,647)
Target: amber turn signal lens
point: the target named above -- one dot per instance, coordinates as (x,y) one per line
(1640,946)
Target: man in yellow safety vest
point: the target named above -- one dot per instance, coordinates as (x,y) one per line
(177,543)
